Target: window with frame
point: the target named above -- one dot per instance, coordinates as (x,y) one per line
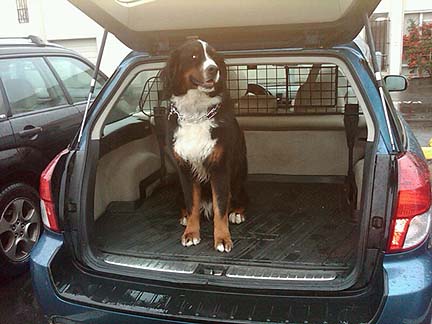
(76,77)
(141,95)
(30,85)
(419,18)
(22,11)
(380,25)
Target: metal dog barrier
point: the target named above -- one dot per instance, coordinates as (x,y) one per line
(270,89)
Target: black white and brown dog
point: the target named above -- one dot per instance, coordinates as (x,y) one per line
(206,142)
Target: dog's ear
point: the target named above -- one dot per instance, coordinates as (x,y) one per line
(169,74)
(220,62)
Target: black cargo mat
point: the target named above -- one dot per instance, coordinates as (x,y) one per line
(288,224)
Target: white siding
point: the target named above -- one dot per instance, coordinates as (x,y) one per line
(60,22)
(85,46)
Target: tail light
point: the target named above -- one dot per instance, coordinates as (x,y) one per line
(48,211)
(411,220)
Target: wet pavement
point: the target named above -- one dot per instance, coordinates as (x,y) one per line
(415,105)
(17,304)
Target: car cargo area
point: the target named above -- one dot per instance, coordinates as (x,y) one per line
(288,225)
(307,138)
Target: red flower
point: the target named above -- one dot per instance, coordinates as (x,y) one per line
(417,47)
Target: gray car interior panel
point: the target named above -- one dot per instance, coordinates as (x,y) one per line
(288,145)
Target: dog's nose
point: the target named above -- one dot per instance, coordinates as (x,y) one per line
(211,71)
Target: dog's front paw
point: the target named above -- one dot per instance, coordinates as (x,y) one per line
(190,238)
(223,244)
(236,218)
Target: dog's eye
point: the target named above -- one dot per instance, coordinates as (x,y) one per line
(193,57)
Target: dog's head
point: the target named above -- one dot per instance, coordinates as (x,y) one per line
(194,65)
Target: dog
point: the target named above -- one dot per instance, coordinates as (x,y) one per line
(205,141)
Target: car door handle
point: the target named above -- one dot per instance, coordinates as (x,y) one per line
(30,131)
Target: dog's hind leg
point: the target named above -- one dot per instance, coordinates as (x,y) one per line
(239,199)
(238,205)
(183,216)
(192,200)
(191,235)
(221,198)
(239,202)
(181,204)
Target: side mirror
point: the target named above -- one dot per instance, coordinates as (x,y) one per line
(396,82)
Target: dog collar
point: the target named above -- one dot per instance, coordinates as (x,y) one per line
(211,112)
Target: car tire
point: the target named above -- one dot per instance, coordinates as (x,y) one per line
(20,227)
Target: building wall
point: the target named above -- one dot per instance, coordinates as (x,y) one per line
(61,22)
(398,12)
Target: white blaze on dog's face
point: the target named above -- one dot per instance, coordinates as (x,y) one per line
(210,69)
(195,65)
(204,71)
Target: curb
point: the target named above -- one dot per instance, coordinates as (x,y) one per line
(427,150)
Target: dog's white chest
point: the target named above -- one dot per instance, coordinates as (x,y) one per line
(193,143)
(192,139)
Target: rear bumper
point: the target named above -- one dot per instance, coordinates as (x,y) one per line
(409,289)
(71,295)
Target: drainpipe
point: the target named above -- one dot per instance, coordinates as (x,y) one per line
(42,21)
(396,16)
(93,82)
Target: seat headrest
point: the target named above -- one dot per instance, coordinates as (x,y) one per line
(21,94)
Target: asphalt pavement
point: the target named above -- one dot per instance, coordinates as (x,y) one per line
(17,302)
(18,305)
(415,104)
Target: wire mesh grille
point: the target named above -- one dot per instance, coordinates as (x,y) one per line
(151,95)
(274,89)
(289,89)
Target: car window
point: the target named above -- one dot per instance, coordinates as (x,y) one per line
(134,99)
(30,85)
(76,76)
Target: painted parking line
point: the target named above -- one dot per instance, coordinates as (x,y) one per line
(427,150)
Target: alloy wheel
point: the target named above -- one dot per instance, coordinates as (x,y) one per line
(19,228)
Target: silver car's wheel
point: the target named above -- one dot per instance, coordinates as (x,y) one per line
(19,228)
